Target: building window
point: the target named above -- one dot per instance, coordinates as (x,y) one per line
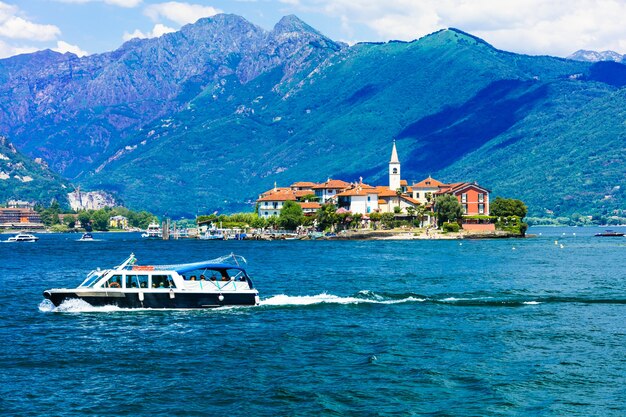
(266,213)
(395,170)
(481,208)
(368,198)
(417,195)
(464,198)
(481,197)
(464,208)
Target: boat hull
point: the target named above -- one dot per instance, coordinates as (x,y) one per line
(160,300)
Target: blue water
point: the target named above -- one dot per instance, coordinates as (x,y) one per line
(441,328)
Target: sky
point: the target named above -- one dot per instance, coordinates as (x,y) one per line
(535,27)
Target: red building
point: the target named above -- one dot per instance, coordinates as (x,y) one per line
(473,197)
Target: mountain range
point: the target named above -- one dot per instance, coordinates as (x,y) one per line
(208,117)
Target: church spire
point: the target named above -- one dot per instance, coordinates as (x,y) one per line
(394,154)
(394,169)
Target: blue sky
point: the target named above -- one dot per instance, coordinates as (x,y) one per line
(537,27)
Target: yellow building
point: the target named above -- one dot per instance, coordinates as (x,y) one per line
(118,222)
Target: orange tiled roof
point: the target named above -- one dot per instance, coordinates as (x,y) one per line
(276,190)
(302,184)
(410,200)
(403,182)
(384,191)
(310,205)
(302,193)
(332,184)
(278,196)
(429,183)
(362,189)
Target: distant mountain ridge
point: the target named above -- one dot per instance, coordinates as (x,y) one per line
(595,56)
(208,117)
(80,108)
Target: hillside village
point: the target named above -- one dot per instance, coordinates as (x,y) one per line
(397,197)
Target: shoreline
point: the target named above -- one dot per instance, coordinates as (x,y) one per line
(420,234)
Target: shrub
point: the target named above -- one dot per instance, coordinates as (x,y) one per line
(450,227)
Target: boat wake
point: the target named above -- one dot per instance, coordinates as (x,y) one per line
(324,298)
(460,300)
(74,306)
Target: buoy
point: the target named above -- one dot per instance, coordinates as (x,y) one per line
(220,297)
(562,246)
(513,247)
(140,295)
(556,242)
(172,295)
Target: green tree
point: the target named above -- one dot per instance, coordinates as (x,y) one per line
(507,207)
(100,219)
(448,209)
(69,220)
(258,223)
(291,215)
(375,218)
(309,197)
(326,216)
(387,219)
(84,218)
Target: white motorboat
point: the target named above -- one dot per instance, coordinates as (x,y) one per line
(23,237)
(208,284)
(153,231)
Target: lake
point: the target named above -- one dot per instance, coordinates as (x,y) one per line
(505,327)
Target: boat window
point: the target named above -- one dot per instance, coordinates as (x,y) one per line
(162,281)
(114,282)
(131,281)
(91,279)
(143,281)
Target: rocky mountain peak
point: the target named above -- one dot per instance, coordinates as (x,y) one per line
(595,56)
(291,23)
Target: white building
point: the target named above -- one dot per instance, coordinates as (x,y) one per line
(361,199)
(329,189)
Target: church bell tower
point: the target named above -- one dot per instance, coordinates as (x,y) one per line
(394,169)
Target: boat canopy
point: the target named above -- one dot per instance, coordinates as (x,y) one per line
(218,263)
(182,268)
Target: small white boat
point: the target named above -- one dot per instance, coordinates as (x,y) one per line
(86,237)
(153,232)
(212,234)
(23,237)
(209,284)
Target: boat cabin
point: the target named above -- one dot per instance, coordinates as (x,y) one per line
(193,277)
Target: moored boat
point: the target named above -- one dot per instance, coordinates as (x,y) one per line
(208,284)
(153,231)
(23,237)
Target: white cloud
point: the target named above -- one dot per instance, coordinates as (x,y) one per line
(13,26)
(7,50)
(556,27)
(64,47)
(158,30)
(181,13)
(124,3)
(121,3)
